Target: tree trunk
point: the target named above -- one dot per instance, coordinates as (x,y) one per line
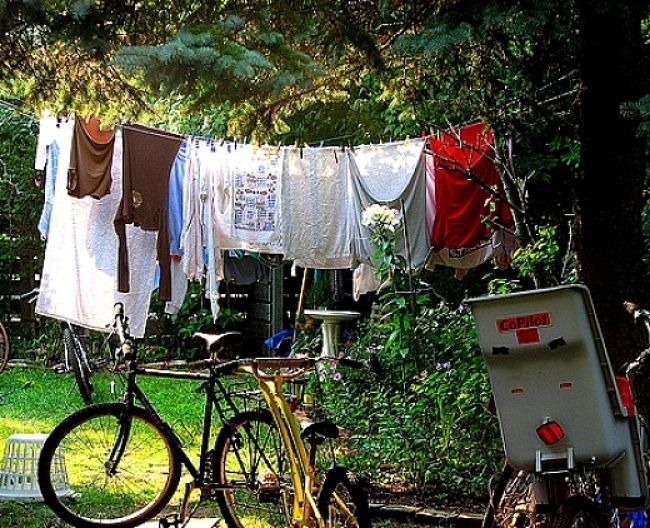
(609,190)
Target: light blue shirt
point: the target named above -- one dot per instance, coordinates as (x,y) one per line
(50,183)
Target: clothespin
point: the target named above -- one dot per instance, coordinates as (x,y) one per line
(408,140)
(336,158)
(301,151)
(322,142)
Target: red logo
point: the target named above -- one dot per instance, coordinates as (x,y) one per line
(525,326)
(518,322)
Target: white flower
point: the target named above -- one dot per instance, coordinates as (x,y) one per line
(379,216)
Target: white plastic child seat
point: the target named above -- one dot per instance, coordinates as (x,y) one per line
(19,469)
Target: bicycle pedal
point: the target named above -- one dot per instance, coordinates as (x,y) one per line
(171,521)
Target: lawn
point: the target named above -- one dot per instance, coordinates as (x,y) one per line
(34,401)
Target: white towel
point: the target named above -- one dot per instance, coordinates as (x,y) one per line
(79,279)
(315,227)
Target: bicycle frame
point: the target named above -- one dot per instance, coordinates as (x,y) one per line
(135,394)
(303,473)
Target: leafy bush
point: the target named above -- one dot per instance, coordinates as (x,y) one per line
(426,430)
(421,422)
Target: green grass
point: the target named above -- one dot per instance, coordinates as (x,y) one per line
(35,401)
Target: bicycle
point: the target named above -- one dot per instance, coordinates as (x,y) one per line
(75,353)
(338,501)
(124,461)
(572,442)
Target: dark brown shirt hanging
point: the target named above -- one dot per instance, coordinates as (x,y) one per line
(91,157)
(148,158)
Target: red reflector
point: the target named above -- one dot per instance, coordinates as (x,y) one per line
(527,335)
(550,432)
(566,385)
(625,392)
(517,390)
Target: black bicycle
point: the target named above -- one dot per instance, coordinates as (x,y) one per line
(123,461)
(76,358)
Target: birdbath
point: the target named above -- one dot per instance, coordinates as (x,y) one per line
(331,327)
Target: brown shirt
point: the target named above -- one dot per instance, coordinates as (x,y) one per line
(147,162)
(91,157)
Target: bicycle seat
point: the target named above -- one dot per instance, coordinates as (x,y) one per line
(320,430)
(215,343)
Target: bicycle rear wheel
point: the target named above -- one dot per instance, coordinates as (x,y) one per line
(77,359)
(104,489)
(5,350)
(250,464)
(580,512)
(343,503)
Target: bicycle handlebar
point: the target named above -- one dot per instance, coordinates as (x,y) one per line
(640,314)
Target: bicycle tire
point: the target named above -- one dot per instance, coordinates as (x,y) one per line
(580,512)
(5,348)
(79,364)
(146,476)
(252,472)
(516,507)
(342,502)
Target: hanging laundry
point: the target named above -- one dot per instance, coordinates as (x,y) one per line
(148,158)
(192,237)
(244,270)
(462,172)
(391,174)
(47,132)
(179,287)
(50,184)
(364,280)
(79,277)
(499,248)
(90,160)
(314,220)
(247,198)
(211,172)
(175,200)
(257,186)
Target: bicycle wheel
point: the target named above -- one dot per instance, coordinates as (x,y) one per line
(341,502)
(78,361)
(516,507)
(250,464)
(99,492)
(580,512)
(4,347)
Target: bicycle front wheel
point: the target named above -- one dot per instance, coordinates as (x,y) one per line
(252,473)
(107,465)
(78,361)
(4,347)
(343,503)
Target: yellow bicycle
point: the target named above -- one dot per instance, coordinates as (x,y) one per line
(280,484)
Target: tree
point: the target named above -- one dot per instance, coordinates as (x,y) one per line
(538,71)
(609,197)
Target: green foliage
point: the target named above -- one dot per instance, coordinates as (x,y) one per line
(421,423)
(539,256)
(428,432)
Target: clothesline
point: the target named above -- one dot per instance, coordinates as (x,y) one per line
(203,201)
